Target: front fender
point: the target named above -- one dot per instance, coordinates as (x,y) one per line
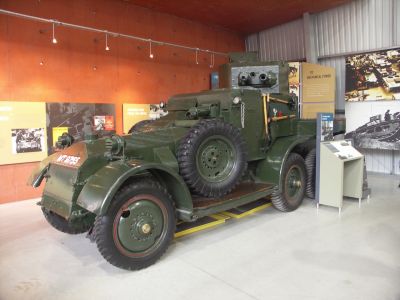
(100,188)
(270,169)
(37,175)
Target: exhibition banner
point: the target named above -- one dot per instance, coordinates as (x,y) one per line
(373,76)
(374,125)
(318,90)
(133,113)
(23,132)
(81,119)
(294,80)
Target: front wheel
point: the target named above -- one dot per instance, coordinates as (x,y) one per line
(293,181)
(138,227)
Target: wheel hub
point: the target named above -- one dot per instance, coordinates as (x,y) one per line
(146,228)
(293,182)
(139,225)
(211,157)
(142,226)
(216,158)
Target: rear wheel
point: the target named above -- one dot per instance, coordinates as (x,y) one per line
(310,163)
(293,183)
(63,225)
(138,227)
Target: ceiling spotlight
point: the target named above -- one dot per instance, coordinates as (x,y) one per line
(107,47)
(54,40)
(41,63)
(212,60)
(151,55)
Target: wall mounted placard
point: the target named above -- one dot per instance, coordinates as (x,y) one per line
(373,76)
(374,124)
(79,119)
(23,132)
(133,113)
(318,90)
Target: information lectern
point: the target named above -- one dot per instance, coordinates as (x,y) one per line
(341,173)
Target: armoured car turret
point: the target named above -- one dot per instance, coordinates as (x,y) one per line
(213,151)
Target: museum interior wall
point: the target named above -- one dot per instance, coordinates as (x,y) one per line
(78,69)
(358,26)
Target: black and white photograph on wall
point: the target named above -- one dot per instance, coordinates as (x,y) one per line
(27,140)
(373,76)
(77,117)
(374,125)
(294,80)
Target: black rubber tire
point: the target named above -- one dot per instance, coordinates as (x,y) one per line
(104,226)
(139,125)
(282,201)
(310,162)
(62,224)
(189,147)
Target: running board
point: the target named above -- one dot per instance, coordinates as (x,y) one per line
(244,193)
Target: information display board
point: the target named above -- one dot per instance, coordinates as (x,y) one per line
(79,119)
(341,173)
(318,90)
(23,132)
(133,113)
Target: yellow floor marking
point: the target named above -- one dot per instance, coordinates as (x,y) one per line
(246,213)
(218,220)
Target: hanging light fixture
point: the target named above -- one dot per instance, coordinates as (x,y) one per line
(151,55)
(114,34)
(107,47)
(54,40)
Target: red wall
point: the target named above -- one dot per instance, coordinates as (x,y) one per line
(125,74)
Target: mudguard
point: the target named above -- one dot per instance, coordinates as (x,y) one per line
(37,175)
(101,187)
(270,169)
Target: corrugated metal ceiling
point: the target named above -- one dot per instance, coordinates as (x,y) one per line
(240,16)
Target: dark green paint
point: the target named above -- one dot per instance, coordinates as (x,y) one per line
(130,226)
(79,192)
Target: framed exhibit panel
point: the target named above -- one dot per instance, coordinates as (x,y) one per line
(318,90)
(23,132)
(133,113)
(374,124)
(373,76)
(78,119)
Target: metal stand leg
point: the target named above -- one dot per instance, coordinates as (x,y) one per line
(359,202)
(340,212)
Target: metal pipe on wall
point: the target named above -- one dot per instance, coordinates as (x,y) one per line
(114,34)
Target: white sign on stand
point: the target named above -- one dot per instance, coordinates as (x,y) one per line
(341,173)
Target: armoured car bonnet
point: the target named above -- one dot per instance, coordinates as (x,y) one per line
(71,157)
(181,104)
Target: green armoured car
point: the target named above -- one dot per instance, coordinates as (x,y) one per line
(213,151)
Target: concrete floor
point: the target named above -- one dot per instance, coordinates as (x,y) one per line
(269,255)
